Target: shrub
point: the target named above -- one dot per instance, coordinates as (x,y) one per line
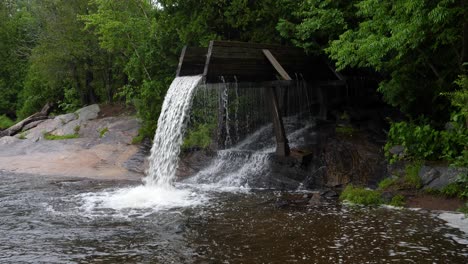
(423,142)
(5,122)
(412,178)
(398,201)
(360,195)
(387,183)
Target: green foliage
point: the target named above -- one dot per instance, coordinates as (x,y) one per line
(411,178)
(451,190)
(348,131)
(103,131)
(5,122)
(199,137)
(387,183)
(412,42)
(464,209)
(71,100)
(315,22)
(398,201)
(360,195)
(425,142)
(22,135)
(49,136)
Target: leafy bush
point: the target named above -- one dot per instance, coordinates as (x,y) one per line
(5,122)
(398,201)
(387,183)
(426,143)
(360,195)
(412,178)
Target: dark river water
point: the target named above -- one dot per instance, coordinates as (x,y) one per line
(51,220)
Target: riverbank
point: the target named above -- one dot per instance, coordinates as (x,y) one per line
(92,143)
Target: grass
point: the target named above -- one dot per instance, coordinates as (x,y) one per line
(360,195)
(22,135)
(103,131)
(398,201)
(138,139)
(464,209)
(5,122)
(386,183)
(49,136)
(412,179)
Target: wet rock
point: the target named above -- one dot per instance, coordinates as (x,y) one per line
(139,161)
(316,199)
(447,176)
(428,175)
(88,113)
(387,197)
(329,194)
(397,150)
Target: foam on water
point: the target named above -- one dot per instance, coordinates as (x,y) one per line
(158,193)
(141,197)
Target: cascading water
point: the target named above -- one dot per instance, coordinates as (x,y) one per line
(169,135)
(158,192)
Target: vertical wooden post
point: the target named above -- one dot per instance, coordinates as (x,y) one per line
(282,145)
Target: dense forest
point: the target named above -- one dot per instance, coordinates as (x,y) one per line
(78,52)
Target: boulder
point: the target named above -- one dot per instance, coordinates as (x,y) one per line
(428,175)
(88,112)
(447,175)
(67,118)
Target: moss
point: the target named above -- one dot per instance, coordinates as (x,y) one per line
(49,136)
(360,195)
(103,131)
(387,183)
(412,179)
(345,130)
(77,129)
(138,139)
(398,200)
(22,135)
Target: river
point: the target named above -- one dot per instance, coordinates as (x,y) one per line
(51,220)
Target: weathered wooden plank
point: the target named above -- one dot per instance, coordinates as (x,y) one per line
(276,65)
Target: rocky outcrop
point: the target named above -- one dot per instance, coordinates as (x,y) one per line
(101,149)
(437,177)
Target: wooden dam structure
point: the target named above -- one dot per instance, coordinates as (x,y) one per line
(270,66)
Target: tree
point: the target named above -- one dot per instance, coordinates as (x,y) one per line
(18,30)
(417,44)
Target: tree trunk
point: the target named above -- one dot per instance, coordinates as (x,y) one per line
(15,129)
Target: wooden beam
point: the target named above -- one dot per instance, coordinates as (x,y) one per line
(181,61)
(284,75)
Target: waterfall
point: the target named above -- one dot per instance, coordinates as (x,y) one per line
(170,132)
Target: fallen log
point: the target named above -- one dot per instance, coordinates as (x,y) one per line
(15,129)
